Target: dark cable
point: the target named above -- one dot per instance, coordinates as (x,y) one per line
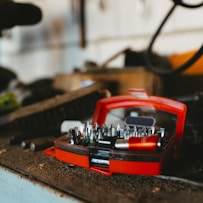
(181,3)
(183,67)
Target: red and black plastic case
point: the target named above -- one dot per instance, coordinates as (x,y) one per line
(144,155)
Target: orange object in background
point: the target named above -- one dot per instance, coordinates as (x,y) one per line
(177,60)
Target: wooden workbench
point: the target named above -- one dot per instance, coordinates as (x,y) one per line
(89,186)
(183,181)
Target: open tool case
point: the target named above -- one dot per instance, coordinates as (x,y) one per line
(140,140)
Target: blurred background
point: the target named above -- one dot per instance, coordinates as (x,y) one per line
(57,45)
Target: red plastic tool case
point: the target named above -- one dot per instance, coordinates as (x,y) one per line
(143,156)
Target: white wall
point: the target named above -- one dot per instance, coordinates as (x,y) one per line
(53,45)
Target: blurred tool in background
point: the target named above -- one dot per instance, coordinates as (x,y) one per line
(190,61)
(176,60)
(12,14)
